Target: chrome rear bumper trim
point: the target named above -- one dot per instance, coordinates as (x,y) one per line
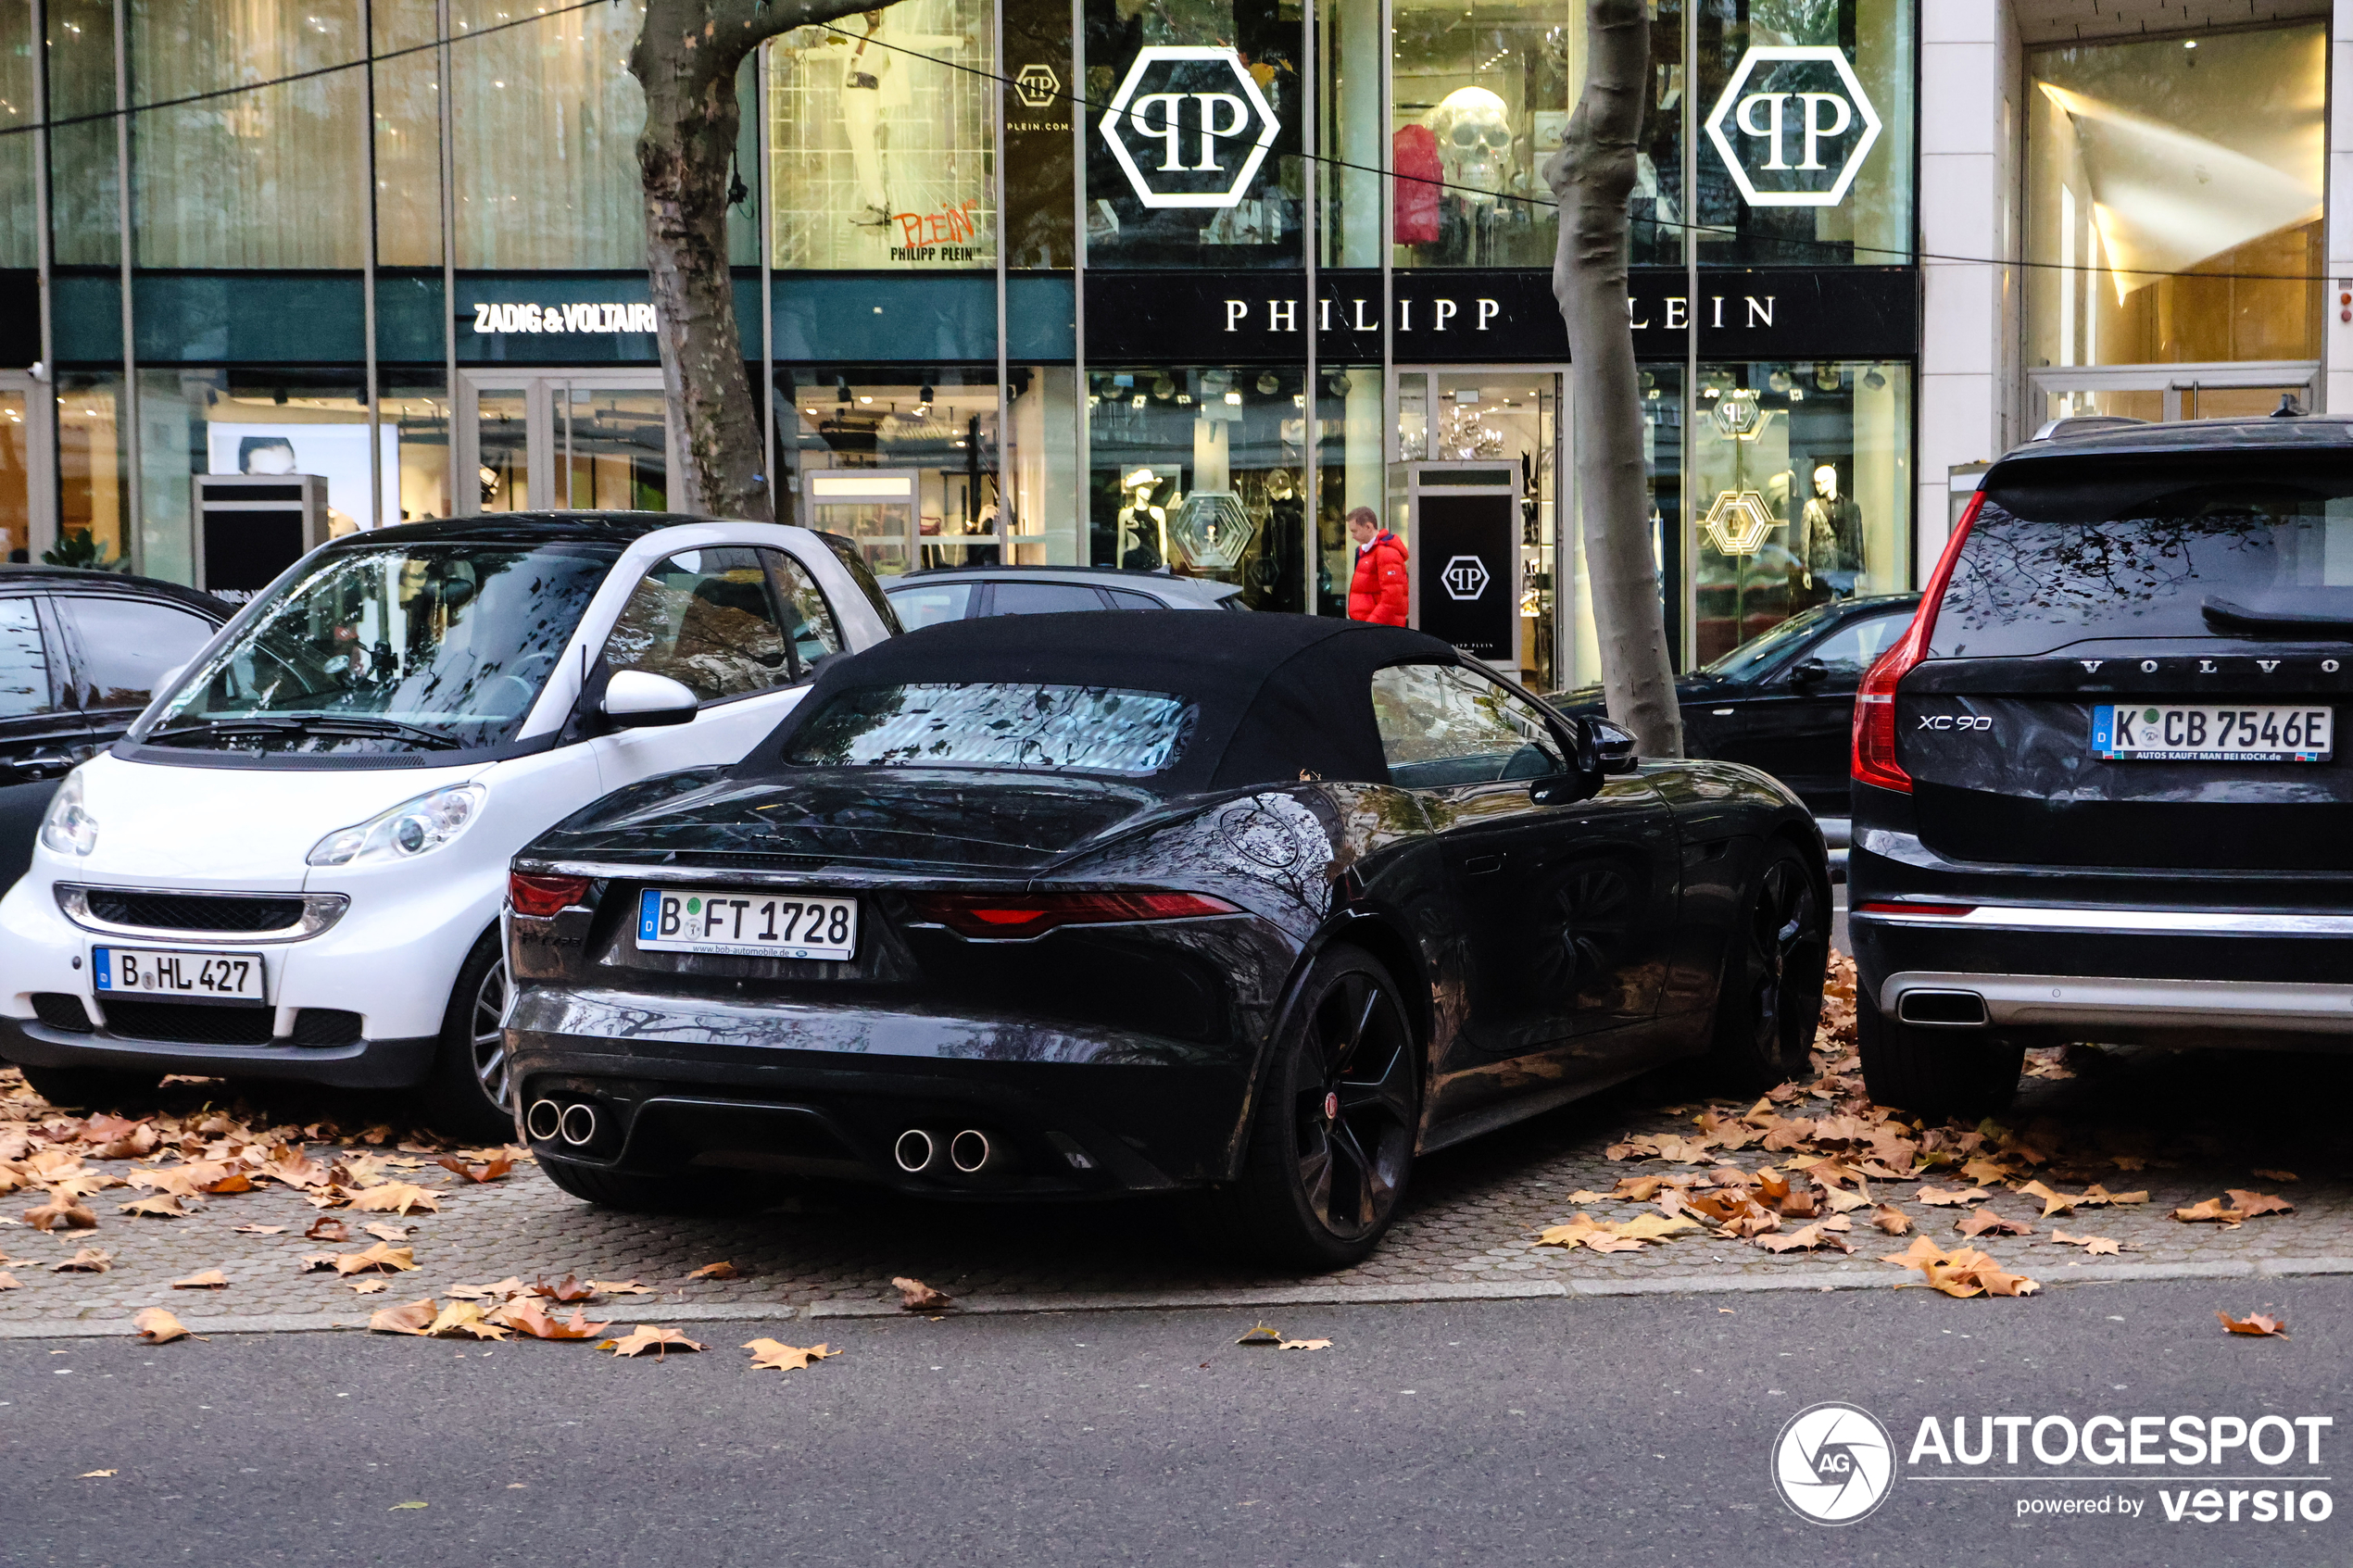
(2065,1000)
(2151,922)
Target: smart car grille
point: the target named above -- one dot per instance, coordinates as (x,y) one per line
(194,911)
(326,1026)
(190,1026)
(60,1011)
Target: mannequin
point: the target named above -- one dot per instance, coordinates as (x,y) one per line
(875,77)
(1143,528)
(1834,533)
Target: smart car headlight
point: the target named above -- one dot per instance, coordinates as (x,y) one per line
(69,829)
(412,828)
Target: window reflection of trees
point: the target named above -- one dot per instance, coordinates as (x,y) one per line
(2150,573)
(993,724)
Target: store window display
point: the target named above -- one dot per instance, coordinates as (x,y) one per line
(880,132)
(1480,98)
(909,470)
(1803,487)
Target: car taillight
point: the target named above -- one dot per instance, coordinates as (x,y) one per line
(1874,756)
(1940,912)
(545,896)
(1029,914)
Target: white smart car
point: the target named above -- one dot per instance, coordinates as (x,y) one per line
(293,865)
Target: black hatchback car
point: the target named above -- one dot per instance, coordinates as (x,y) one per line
(79,655)
(1785,700)
(2098,789)
(1264,905)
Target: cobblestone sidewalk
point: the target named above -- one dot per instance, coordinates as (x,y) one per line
(2186,1128)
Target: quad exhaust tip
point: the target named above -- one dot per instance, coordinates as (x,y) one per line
(920,1151)
(975,1153)
(578,1125)
(1949,1010)
(542,1119)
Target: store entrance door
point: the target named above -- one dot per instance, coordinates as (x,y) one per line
(593,440)
(27,480)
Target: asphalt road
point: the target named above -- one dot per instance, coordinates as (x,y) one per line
(1628,1431)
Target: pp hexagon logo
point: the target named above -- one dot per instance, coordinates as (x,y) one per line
(1738,522)
(1212,531)
(1038,87)
(1189,127)
(1465,577)
(1794,125)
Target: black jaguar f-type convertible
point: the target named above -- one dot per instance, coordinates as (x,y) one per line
(1082,905)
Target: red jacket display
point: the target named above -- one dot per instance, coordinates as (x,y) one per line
(1377,591)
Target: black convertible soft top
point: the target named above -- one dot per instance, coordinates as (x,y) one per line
(1279,694)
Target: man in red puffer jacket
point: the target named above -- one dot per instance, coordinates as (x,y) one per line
(1377,591)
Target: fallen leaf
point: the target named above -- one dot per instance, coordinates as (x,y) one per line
(293,1165)
(1984,1221)
(1805,1239)
(1654,1227)
(389,1260)
(1305,1345)
(61,1210)
(1963,1274)
(367,1287)
(622,1288)
(2256,1324)
(2274,1175)
(525,1314)
(2253,1203)
(398,1506)
(1641,1189)
(265,1230)
(395,1198)
(721,1270)
(2093,1245)
(89,1261)
(644,1337)
(2212,1209)
(163,1206)
(7,1281)
(1581,1195)
(1262,1334)
(2097,1196)
(414,1318)
(1946,1198)
(1890,1219)
(382,1231)
(915,1295)
(2054,1202)
(204,1279)
(93,1475)
(503,1290)
(466,1318)
(489,1171)
(326,1227)
(158,1327)
(1844,1202)
(774,1355)
(570,1288)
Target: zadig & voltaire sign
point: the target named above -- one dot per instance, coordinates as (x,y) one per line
(574,317)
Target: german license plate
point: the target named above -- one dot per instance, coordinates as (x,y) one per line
(177,972)
(2219,733)
(732,920)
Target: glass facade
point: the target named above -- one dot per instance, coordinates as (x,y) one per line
(1171,287)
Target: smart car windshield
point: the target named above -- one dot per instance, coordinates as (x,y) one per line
(402,648)
(1034,728)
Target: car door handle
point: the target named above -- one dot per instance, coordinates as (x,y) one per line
(1478,865)
(45,765)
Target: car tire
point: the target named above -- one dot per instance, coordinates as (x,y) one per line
(1933,1072)
(635,1194)
(1769,1002)
(91,1088)
(464,1091)
(1333,1134)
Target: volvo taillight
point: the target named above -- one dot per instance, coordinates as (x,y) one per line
(1874,756)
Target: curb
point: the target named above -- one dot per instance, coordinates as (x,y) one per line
(1270,1295)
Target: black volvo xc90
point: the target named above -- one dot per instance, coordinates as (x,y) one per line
(2099,791)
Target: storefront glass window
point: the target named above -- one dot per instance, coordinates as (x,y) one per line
(90,476)
(905,465)
(2174,202)
(1037,137)
(16,474)
(880,132)
(1204,103)
(1200,471)
(415,412)
(82,157)
(408,138)
(1806,140)
(1480,98)
(1803,478)
(274,177)
(18,239)
(546,124)
(1352,475)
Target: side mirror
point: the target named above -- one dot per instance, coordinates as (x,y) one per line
(1582,775)
(640,698)
(1808,672)
(1615,746)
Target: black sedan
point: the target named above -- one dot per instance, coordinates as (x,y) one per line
(1785,700)
(1263,906)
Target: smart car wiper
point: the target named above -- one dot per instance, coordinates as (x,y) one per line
(309,723)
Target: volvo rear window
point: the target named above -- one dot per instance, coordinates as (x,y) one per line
(2253,546)
(1032,728)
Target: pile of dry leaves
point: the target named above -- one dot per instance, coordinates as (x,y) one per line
(1828,1145)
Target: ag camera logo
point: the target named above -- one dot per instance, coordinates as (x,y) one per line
(1464,577)
(1834,1464)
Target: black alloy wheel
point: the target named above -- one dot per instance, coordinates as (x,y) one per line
(1334,1133)
(1770,1001)
(469,1092)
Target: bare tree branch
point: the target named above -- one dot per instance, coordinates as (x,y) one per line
(1590,177)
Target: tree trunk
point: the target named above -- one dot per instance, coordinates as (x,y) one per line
(685,58)
(1592,176)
